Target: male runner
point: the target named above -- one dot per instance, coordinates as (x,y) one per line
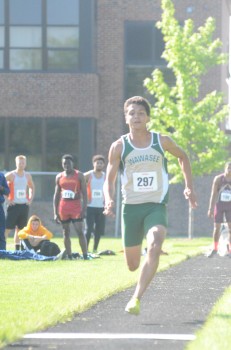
(95,218)
(140,155)
(220,206)
(21,195)
(70,203)
(4,191)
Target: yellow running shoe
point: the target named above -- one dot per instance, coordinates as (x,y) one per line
(133,306)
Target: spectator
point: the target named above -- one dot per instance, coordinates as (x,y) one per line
(20,198)
(37,237)
(70,203)
(4,191)
(95,218)
(220,206)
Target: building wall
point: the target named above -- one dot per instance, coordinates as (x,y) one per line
(49,95)
(101,95)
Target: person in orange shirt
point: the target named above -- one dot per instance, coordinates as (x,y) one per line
(35,236)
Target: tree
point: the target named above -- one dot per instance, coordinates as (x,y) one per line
(193,122)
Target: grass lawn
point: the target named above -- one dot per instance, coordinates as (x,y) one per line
(35,295)
(215,333)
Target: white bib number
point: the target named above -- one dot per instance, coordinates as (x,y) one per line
(145,182)
(21,194)
(67,194)
(225,196)
(97,194)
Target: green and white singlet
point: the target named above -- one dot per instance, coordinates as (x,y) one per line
(144,176)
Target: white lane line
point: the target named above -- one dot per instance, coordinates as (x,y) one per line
(109,336)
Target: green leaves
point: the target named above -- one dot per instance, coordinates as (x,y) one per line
(194,123)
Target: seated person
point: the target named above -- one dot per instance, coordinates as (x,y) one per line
(37,237)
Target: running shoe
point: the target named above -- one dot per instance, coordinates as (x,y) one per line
(133,306)
(211,253)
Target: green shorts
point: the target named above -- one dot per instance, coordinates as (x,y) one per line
(138,219)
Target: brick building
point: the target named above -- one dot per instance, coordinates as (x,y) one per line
(66,67)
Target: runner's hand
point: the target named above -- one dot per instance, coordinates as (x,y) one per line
(191,196)
(57,219)
(108,208)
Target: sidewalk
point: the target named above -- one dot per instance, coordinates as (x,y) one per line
(176,303)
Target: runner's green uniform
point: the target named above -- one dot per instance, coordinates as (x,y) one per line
(144,179)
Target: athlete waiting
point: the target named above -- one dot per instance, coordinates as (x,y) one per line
(220,206)
(141,156)
(95,218)
(70,203)
(21,195)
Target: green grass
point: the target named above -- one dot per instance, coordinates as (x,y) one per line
(35,295)
(215,333)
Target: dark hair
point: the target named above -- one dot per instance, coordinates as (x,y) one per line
(68,156)
(98,157)
(139,101)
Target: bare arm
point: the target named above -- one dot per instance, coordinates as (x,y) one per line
(87,175)
(83,189)
(31,188)
(111,174)
(170,146)
(56,199)
(213,197)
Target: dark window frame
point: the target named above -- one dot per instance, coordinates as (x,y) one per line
(85,49)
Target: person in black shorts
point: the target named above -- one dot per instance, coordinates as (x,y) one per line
(95,218)
(20,198)
(4,191)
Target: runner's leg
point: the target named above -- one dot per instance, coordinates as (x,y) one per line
(82,238)
(155,239)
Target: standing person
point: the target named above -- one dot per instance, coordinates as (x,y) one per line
(220,206)
(4,191)
(70,203)
(95,218)
(20,198)
(140,155)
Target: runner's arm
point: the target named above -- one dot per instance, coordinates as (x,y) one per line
(56,199)
(213,197)
(83,189)
(111,175)
(31,188)
(170,146)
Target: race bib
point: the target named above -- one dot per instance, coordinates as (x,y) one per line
(225,196)
(145,182)
(21,194)
(97,194)
(67,194)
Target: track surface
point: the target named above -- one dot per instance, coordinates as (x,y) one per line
(175,305)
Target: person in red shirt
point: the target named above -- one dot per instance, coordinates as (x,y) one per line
(220,206)
(70,203)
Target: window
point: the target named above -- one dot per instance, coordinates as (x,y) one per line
(62,137)
(144,46)
(43,141)
(2,33)
(44,35)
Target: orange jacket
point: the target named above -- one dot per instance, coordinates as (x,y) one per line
(41,231)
